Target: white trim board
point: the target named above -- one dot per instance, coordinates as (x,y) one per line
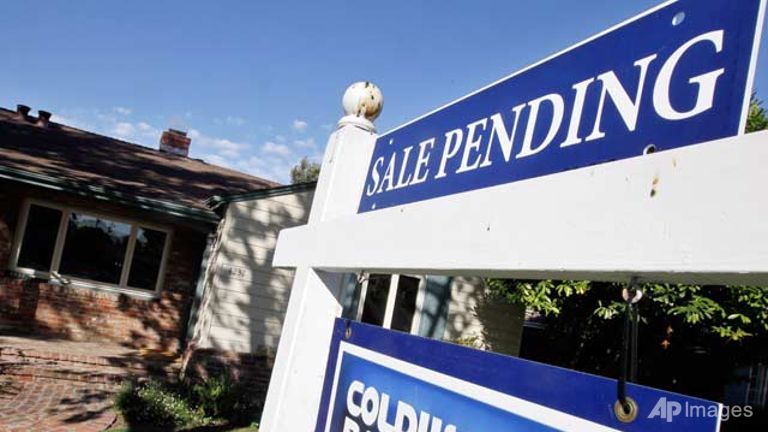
(693,214)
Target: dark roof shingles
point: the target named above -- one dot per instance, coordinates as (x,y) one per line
(87,158)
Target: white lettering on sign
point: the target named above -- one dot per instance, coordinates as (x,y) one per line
(371,407)
(471,147)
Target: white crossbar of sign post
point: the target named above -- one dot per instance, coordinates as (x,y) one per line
(631,164)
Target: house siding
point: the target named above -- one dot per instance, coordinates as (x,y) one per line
(247,296)
(245,299)
(477,319)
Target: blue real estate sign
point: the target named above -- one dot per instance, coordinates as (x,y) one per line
(677,75)
(384,381)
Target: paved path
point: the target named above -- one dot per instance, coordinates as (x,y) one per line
(54,406)
(52,385)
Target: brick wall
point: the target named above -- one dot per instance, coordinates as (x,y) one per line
(10,289)
(9,208)
(87,314)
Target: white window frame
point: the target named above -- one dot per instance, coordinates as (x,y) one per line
(392,297)
(53,275)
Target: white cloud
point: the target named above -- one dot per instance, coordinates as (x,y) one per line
(122,110)
(274,168)
(124,129)
(71,121)
(300,125)
(327,126)
(142,126)
(220,146)
(140,132)
(226,147)
(217,160)
(278,149)
(306,143)
(272,160)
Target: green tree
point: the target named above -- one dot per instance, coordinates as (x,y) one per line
(305,171)
(691,340)
(730,313)
(758,117)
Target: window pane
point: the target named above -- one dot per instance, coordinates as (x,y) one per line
(39,238)
(147,255)
(350,296)
(94,248)
(405,303)
(376,299)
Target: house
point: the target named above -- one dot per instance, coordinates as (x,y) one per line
(101,239)
(244,298)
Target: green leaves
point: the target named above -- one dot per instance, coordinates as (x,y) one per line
(305,171)
(697,309)
(757,119)
(731,313)
(155,403)
(545,296)
(608,311)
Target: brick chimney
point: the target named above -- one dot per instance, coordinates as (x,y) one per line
(175,142)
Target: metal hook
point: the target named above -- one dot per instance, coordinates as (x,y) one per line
(625,407)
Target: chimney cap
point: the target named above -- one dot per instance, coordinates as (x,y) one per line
(43,118)
(22,111)
(177,131)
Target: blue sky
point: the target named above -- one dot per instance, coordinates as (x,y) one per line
(258,84)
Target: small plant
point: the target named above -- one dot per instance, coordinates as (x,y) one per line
(153,403)
(216,396)
(223,398)
(473,341)
(160,406)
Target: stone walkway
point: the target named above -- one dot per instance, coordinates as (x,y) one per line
(52,385)
(54,406)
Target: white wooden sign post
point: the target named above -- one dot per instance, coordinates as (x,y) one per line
(300,363)
(560,182)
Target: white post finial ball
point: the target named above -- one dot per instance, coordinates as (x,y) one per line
(363,99)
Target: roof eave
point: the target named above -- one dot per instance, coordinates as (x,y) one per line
(217,201)
(109,195)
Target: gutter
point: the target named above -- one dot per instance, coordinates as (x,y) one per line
(109,195)
(216,201)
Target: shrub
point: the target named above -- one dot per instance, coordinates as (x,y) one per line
(216,396)
(153,403)
(222,398)
(165,406)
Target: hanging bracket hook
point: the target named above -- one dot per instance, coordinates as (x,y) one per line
(625,407)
